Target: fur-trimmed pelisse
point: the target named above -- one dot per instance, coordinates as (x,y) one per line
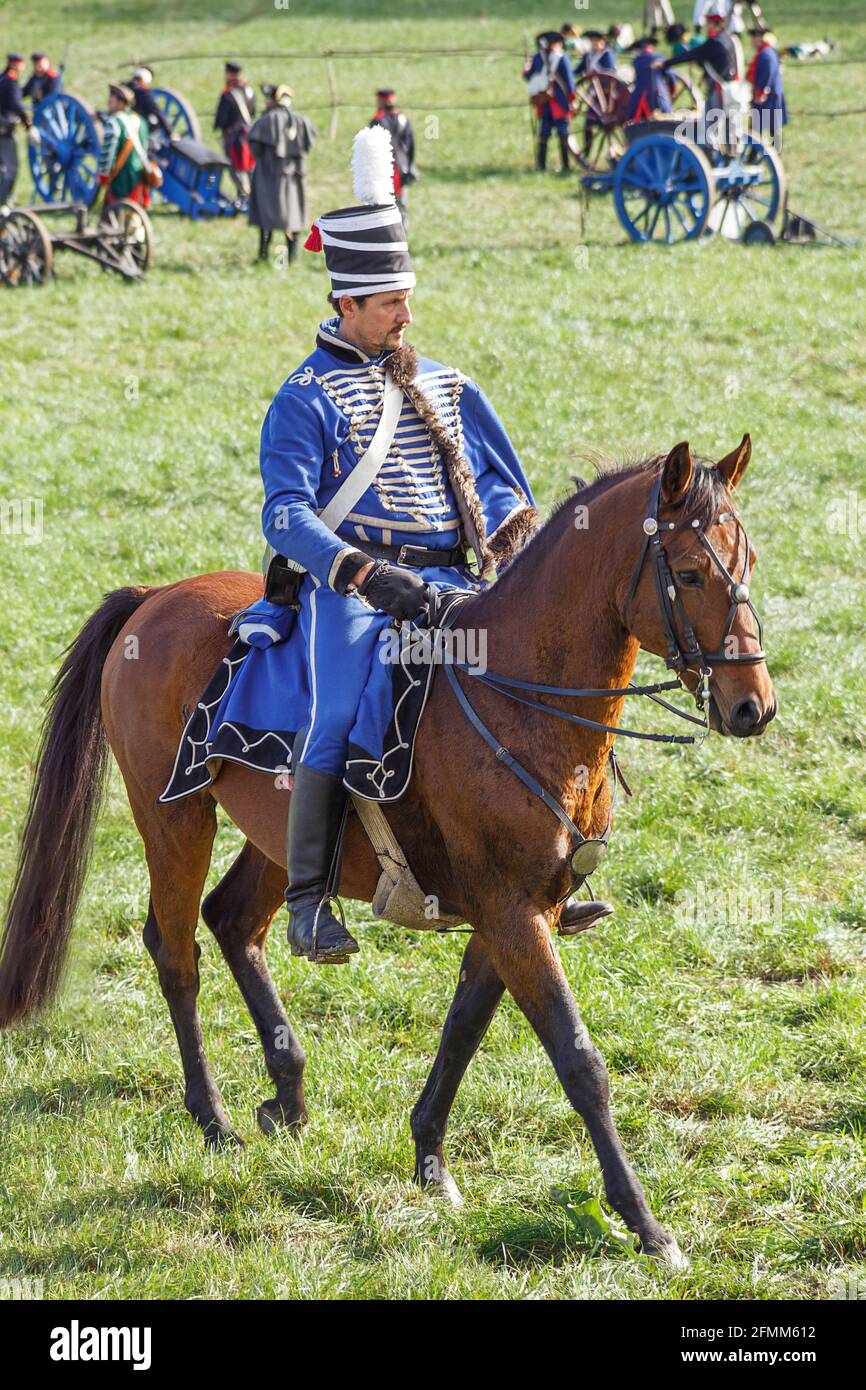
(513,534)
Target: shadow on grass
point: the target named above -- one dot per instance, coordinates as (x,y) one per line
(848,1119)
(530,1244)
(470,174)
(64,1095)
(212,1200)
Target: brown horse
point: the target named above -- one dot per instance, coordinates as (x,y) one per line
(575,606)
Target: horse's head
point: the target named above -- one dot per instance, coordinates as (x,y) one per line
(689,600)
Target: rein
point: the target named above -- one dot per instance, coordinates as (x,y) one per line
(589,852)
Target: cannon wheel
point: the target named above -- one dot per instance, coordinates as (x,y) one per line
(603,101)
(663,190)
(64,163)
(26,254)
(137,232)
(738,209)
(178,112)
(686,95)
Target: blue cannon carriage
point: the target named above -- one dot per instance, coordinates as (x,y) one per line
(64,155)
(680,178)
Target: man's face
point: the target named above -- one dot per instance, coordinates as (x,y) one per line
(598,44)
(16,69)
(378,324)
(114,103)
(41,65)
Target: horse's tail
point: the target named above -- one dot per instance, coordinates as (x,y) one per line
(64,800)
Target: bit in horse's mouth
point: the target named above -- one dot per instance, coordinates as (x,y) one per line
(720,725)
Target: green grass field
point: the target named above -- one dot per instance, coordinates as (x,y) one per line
(734,1032)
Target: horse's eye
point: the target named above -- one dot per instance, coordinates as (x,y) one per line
(690,579)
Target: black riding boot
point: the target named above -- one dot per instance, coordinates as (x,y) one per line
(315,814)
(264,243)
(564,152)
(292,248)
(542,152)
(580,916)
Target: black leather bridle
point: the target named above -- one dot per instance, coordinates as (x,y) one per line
(691,657)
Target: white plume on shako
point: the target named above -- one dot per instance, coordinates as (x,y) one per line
(373,166)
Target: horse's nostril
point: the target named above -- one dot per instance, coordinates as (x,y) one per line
(746,715)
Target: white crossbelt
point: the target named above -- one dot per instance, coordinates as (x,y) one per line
(365,470)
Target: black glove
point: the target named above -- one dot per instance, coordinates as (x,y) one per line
(400,592)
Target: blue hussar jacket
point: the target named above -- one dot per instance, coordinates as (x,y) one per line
(321,422)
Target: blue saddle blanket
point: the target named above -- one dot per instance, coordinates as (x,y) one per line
(259,697)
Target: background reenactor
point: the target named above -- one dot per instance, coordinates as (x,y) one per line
(234,116)
(399,127)
(769,111)
(650,91)
(551,90)
(123,159)
(280,140)
(657,14)
(144,102)
(599,57)
(717,56)
(12,114)
(42,80)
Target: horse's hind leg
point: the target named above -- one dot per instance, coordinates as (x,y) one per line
(239,912)
(479,990)
(526,961)
(178,841)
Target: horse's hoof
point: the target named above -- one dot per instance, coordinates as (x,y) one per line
(222,1137)
(667,1252)
(274,1118)
(450,1192)
(445,1188)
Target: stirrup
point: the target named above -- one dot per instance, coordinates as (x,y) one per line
(333,957)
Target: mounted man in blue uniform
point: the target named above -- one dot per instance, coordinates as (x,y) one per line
(382,470)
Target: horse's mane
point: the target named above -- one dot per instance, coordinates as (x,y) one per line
(706,496)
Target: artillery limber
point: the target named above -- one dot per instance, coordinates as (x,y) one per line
(191,176)
(121,241)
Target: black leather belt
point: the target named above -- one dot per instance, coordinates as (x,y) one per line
(417,557)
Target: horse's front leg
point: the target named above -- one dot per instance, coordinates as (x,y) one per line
(524,958)
(479,990)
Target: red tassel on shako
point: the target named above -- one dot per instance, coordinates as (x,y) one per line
(314,240)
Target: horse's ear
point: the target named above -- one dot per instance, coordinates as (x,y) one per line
(733,465)
(677,473)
